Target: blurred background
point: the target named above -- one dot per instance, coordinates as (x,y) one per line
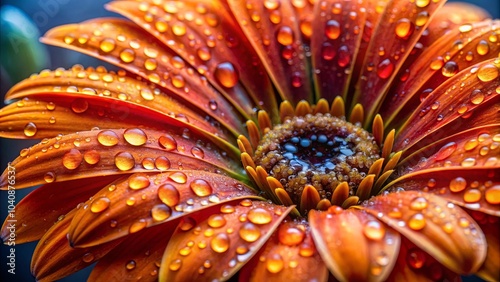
(22,23)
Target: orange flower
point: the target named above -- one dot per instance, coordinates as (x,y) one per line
(266,140)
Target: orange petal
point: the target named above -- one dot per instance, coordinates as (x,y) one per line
(334,44)
(108,100)
(54,259)
(289,255)
(455,51)
(38,211)
(454,99)
(394,38)
(215,246)
(275,35)
(211,43)
(479,144)
(438,227)
(475,189)
(353,237)
(138,256)
(104,152)
(145,200)
(142,55)
(414,264)
(491,228)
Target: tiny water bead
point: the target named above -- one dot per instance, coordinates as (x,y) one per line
(318,150)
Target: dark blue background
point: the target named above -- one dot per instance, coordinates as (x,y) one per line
(46,16)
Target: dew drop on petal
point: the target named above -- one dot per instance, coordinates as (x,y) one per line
(472,196)
(468,162)
(418,204)
(227,209)
(374,230)
(216,221)
(100,204)
(124,161)
(492,195)
(385,69)
(446,151)
(488,72)
(404,28)
(127,55)
(167,142)
(249,232)
(30,129)
(49,177)
(178,177)
(137,226)
(162,163)
(417,222)
(197,152)
(107,138)
(135,136)
(88,257)
(274,263)
(259,216)
(72,159)
(289,235)
(226,74)
(332,29)
(107,45)
(169,195)
(415,258)
(482,47)
(79,105)
(92,157)
(449,69)
(220,243)
(160,212)
(201,187)
(175,265)
(138,181)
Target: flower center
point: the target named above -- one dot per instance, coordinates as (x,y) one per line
(320,151)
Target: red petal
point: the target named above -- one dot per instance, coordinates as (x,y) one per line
(455,98)
(414,264)
(394,37)
(207,36)
(107,100)
(54,258)
(146,57)
(451,53)
(215,246)
(435,225)
(289,255)
(105,152)
(338,29)
(275,35)
(354,238)
(38,211)
(145,200)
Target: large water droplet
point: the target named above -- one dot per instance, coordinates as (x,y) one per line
(201,187)
(72,159)
(107,138)
(169,195)
(226,74)
(259,216)
(220,243)
(249,232)
(124,161)
(100,204)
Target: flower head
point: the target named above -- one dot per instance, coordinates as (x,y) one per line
(266,140)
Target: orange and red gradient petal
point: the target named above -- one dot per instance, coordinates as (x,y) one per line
(275,34)
(457,50)
(106,98)
(40,209)
(289,255)
(138,255)
(54,258)
(475,189)
(391,42)
(207,247)
(414,264)
(491,228)
(338,29)
(122,43)
(354,245)
(144,200)
(207,36)
(437,226)
(448,103)
(105,152)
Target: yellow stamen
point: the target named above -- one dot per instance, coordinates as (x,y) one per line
(253,133)
(338,107)
(365,187)
(264,121)
(357,114)
(322,107)
(378,130)
(351,201)
(303,108)
(388,143)
(309,198)
(340,194)
(286,110)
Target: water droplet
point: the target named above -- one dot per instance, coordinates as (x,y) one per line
(135,136)
(226,75)
(449,69)
(162,163)
(374,230)
(385,69)
(175,265)
(404,28)
(246,203)
(169,195)
(179,28)
(344,56)
(446,151)
(492,195)
(138,181)
(487,72)
(472,196)
(259,216)
(88,257)
(72,159)
(465,28)
(201,187)
(415,258)
(216,221)
(289,235)
(332,29)
(30,129)
(107,138)
(100,204)
(328,51)
(422,18)
(92,157)
(178,177)
(422,3)
(227,209)
(107,45)
(417,222)
(137,226)
(220,243)
(150,64)
(437,63)
(468,162)
(271,4)
(127,55)
(249,232)
(160,212)
(130,265)
(274,263)
(49,177)
(124,161)
(482,47)
(418,204)
(197,152)
(167,142)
